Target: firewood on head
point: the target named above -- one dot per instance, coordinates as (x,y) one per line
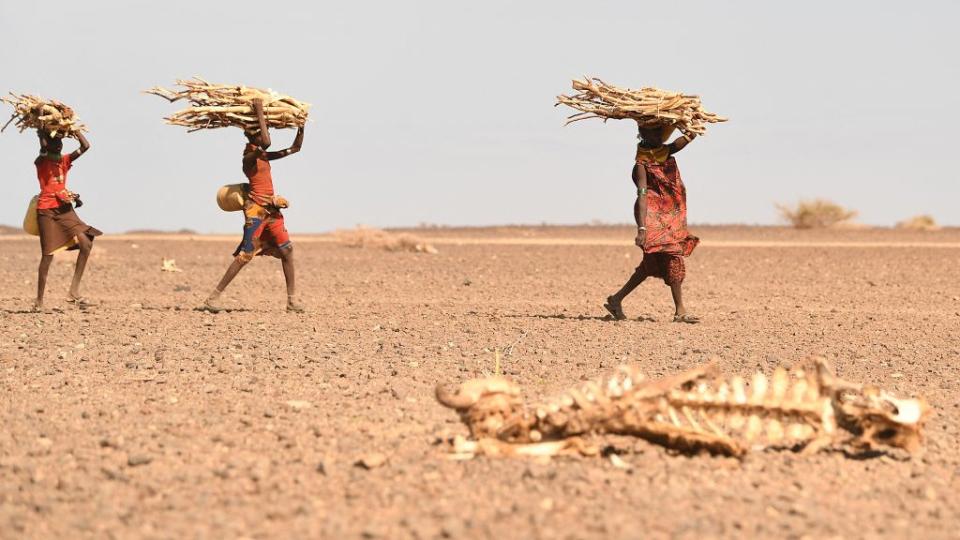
(648,106)
(215,106)
(51,116)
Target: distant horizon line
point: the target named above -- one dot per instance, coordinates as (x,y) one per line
(14,230)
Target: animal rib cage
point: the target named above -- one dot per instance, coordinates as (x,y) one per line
(804,409)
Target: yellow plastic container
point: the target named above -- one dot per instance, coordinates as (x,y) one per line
(30,224)
(230,198)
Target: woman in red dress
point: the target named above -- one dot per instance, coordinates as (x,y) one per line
(661,215)
(60,227)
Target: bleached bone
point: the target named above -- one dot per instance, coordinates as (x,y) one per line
(692,411)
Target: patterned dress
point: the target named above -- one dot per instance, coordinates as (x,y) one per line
(264,229)
(668,240)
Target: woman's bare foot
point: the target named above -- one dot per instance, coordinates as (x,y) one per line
(616,310)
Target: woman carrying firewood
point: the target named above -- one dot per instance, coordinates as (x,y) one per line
(661,215)
(59,226)
(661,206)
(264,232)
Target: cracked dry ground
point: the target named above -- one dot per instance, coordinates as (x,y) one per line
(146,418)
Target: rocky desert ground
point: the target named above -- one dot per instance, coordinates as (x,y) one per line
(145,418)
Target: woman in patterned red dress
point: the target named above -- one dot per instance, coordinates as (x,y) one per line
(661,215)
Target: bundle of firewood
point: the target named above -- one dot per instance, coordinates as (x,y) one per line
(32,112)
(648,106)
(226,105)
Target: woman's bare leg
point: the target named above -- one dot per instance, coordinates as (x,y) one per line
(676,289)
(42,271)
(286,259)
(85,245)
(238,263)
(681,315)
(232,271)
(613,304)
(635,280)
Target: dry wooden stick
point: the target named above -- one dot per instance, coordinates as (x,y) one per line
(648,106)
(32,112)
(222,105)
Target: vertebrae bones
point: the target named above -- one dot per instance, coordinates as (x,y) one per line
(695,410)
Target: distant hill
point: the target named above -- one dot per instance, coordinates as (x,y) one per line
(7,229)
(156,231)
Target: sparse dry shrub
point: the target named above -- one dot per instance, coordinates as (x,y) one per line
(919,223)
(816,214)
(365,237)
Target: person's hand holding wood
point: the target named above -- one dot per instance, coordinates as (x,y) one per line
(257,104)
(294,148)
(84,146)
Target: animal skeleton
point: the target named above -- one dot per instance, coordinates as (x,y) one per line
(693,411)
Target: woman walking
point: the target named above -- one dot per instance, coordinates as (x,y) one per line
(264,231)
(660,211)
(60,227)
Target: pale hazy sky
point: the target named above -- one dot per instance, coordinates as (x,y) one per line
(441,111)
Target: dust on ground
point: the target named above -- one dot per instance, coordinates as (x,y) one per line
(146,418)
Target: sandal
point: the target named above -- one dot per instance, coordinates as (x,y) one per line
(212,305)
(615,309)
(686,318)
(81,302)
(294,307)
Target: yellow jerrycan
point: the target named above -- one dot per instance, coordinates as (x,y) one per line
(30,224)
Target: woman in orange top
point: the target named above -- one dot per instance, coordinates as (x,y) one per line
(661,215)
(60,227)
(264,232)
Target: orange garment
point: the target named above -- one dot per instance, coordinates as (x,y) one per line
(258,174)
(264,232)
(53,181)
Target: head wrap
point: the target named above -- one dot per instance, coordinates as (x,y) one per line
(665,130)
